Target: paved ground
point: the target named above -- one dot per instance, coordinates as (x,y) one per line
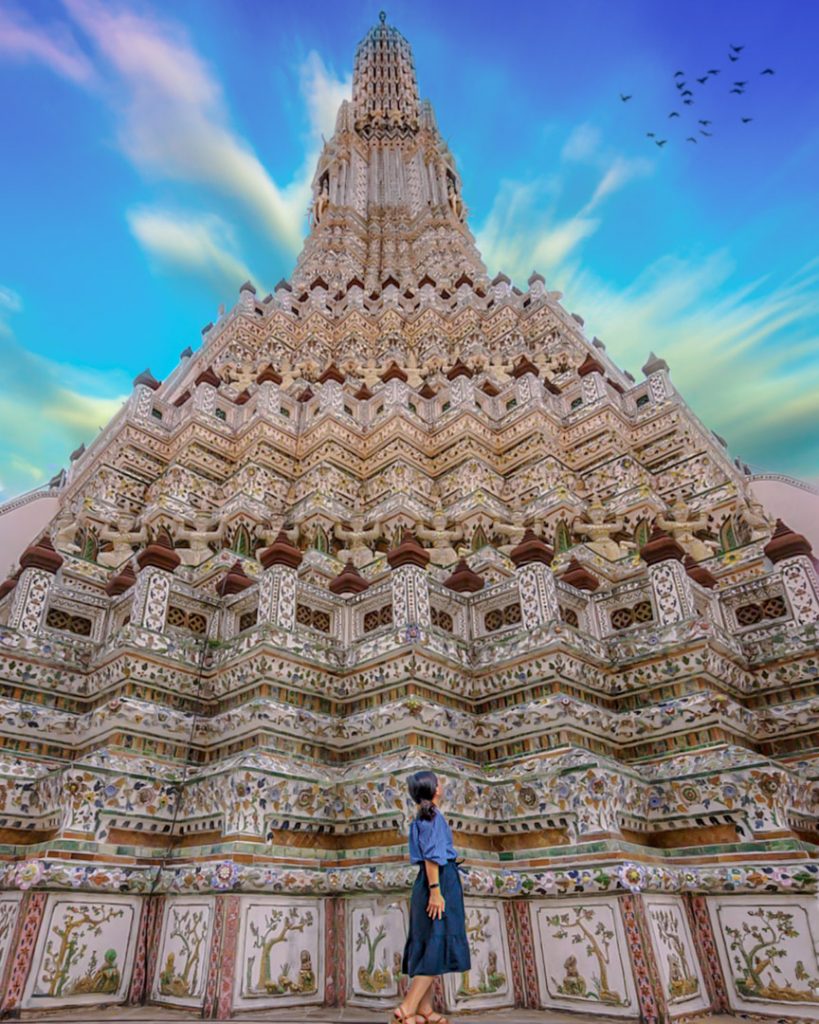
(316,1014)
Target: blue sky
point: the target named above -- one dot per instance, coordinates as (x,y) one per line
(157,155)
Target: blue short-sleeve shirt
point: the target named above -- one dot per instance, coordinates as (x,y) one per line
(431,840)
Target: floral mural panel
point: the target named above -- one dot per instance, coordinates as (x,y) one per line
(582,957)
(9,909)
(680,972)
(280,959)
(84,952)
(768,948)
(184,952)
(488,982)
(377,931)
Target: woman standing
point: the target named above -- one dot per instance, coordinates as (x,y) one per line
(436,941)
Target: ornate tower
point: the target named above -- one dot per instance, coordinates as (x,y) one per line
(396,515)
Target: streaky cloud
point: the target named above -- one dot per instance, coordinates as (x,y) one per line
(53,46)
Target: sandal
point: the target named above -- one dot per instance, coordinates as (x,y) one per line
(438,1018)
(399,1017)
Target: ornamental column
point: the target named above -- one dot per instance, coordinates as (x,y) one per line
(152,590)
(410,589)
(38,566)
(536,582)
(670,583)
(277,587)
(790,552)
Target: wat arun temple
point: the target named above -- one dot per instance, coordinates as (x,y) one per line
(401,514)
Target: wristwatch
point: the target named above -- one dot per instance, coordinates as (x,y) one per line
(435,885)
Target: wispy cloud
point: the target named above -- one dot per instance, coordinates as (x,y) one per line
(203,244)
(52,45)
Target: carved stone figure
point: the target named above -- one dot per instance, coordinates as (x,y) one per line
(122,539)
(441,552)
(200,539)
(357,540)
(64,532)
(682,528)
(514,530)
(760,524)
(600,533)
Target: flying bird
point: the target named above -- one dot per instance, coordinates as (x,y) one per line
(732,58)
(745,120)
(624,98)
(649,135)
(713,71)
(680,85)
(687,92)
(706,123)
(691,139)
(679,74)
(737,49)
(741,84)
(703,132)
(739,92)
(660,142)
(768,71)
(673,114)
(688,102)
(702,81)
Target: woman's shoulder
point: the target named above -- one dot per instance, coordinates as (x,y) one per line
(436,821)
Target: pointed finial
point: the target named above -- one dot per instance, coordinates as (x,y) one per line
(382,17)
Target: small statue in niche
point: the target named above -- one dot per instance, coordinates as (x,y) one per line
(199,539)
(682,527)
(64,535)
(454,198)
(514,530)
(357,540)
(122,539)
(759,523)
(441,552)
(600,533)
(322,200)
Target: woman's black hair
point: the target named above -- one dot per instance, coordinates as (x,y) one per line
(422,786)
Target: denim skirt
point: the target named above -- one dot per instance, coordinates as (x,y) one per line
(437,945)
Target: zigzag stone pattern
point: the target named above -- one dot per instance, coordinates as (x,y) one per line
(397,515)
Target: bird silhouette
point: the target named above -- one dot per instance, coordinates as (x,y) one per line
(703,132)
(713,71)
(732,58)
(706,123)
(679,74)
(737,49)
(741,84)
(624,98)
(702,81)
(649,135)
(680,85)
(739,92)
(686,92)
(688,103)
(745,120)
(768,71)
(660,142)
(691,139)
(673,114)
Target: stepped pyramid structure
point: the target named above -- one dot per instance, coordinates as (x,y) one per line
(398,515)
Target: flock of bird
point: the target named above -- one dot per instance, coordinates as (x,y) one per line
(686,96)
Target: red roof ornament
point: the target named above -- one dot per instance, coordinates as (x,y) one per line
(349,581)
(332,373)
(661,547)
(531,549)
(463,579)
(41,555)
(458,369)
(159,554)
(281,552)
(394,372)
(578,576)
(208,377)
(786,543)
(525,365)
(408,552)
(235,580)
(268,374)
(121,582)
(589,365)
(699,574)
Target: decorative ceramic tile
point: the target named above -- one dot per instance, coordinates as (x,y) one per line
(84,952)
(488,982)
(377,932)
(679,968)
(184,951)
(9,911)
(582,959)
(280,960)
(769,950)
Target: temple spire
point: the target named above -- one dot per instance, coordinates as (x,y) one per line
(387,200)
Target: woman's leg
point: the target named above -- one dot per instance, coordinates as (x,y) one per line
(416,992)
(425,1005)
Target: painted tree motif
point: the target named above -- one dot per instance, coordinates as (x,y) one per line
(8,914)
(189,927)
(580,923)
(68,945)
(682,981)
(756,946)
(490,979)
(370,978)
(275,930)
